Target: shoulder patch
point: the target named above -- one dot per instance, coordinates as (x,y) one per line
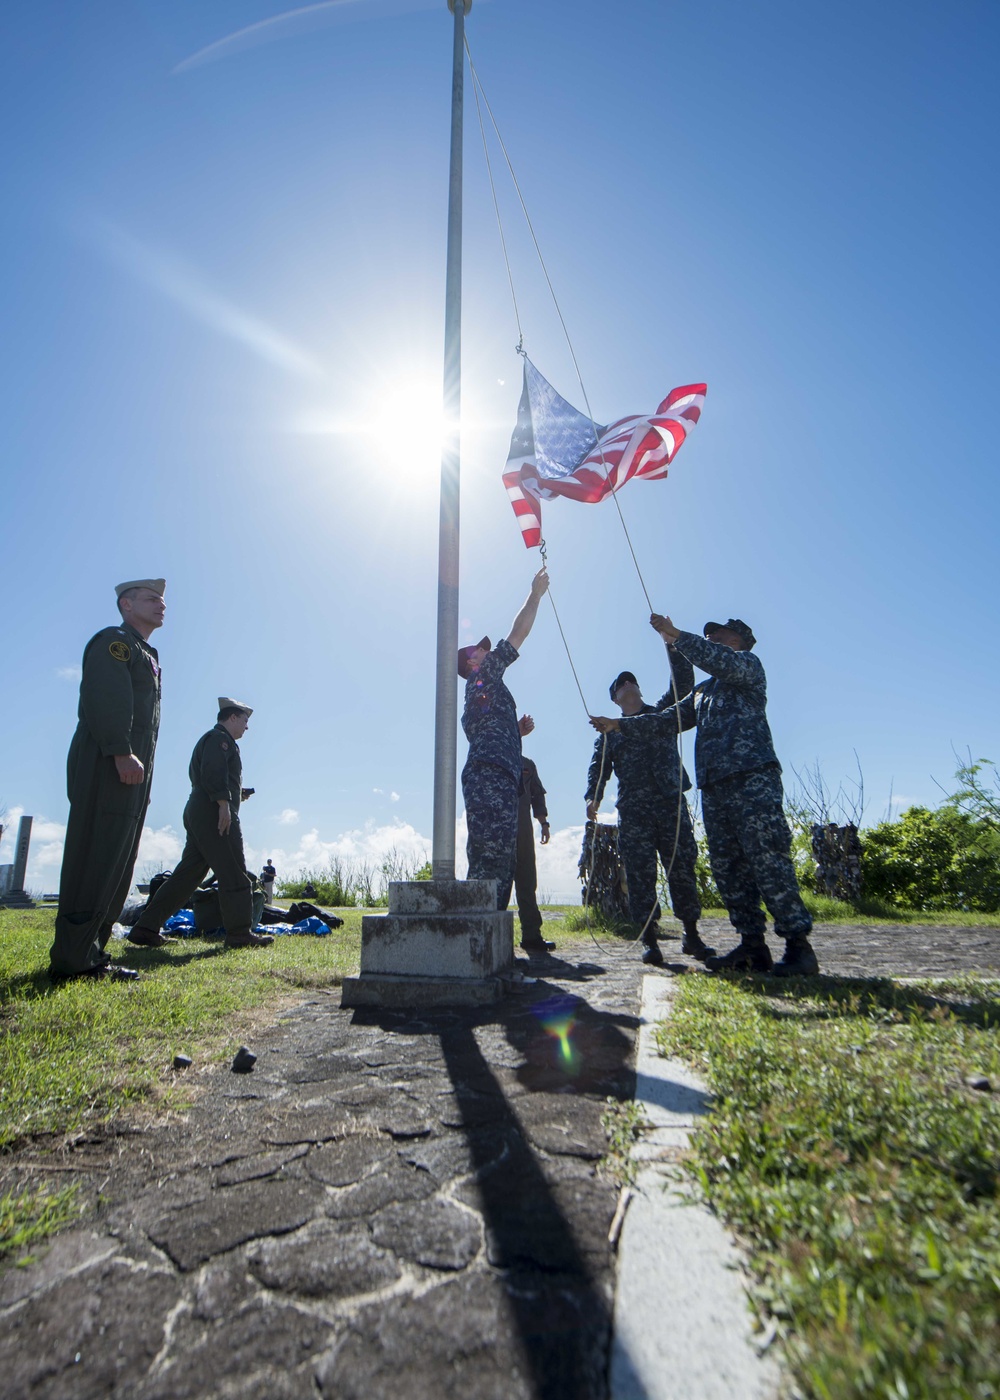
(224,745)
(121,651)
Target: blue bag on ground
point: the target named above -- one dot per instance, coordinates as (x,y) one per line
(316,926)
(181,922)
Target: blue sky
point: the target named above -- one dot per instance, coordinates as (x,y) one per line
(223,309)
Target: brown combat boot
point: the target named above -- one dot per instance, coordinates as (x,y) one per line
(245,938)
(148,937)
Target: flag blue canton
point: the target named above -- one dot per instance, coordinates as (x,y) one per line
(563,436)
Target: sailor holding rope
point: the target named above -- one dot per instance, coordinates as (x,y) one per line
(653,815)
(749,843)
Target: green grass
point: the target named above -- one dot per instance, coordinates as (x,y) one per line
(28,1217)
(870,911)
(88,1052)
(623,1123)
(847,1149)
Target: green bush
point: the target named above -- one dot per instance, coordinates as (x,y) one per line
(945,859)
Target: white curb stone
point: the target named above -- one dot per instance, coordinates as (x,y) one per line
(682,1327)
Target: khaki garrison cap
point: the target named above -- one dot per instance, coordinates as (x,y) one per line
(155,585)
(226,702)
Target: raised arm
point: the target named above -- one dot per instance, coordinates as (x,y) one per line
(681,678)
(726,664)
(525,619)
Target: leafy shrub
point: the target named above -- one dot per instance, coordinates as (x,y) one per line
(943,859)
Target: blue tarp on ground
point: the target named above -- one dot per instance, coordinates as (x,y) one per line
(182,923)
(313,926)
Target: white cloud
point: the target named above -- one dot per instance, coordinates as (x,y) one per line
(557,862)
(370,843)
(160,847)
(394,797)
(558,866)
(289,816)
(379,791)
(69,673)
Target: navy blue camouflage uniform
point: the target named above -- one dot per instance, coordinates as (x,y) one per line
(749,843)
(653,816)
(491,778)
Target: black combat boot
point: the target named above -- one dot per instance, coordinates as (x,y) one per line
(651,954)
(749,955)
(694,946)
(799,959)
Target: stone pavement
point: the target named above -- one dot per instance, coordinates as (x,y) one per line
(390,1203)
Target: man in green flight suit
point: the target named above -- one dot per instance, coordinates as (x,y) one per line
(109,772)
(214,838)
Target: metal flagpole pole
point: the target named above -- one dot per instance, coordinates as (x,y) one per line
(446,707)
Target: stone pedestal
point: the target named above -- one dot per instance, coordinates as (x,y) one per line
(442,943)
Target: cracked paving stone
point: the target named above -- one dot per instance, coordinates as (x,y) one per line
(334,1259)
(475,1336)
(316,1069)
(564,1124)
(348,1161)
(437,1233)
(234,1357)
(470,1110)
(87,1334)
(455,1341)
(72,1250)
(457,1154)
(381,1189)
(232,1216)
(259,1164)
(313,1124)
(223,1288)
(561,1228)
(401,1120)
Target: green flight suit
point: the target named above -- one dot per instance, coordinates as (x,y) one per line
(119,714)
(216,772)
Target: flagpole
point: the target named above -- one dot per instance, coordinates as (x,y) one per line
(446,706)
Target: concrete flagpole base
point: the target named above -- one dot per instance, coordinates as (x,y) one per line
(442,943)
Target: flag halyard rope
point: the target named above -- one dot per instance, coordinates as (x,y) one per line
(479,91)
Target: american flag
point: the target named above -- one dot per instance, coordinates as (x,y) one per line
(557,451)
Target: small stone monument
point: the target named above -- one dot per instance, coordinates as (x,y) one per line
(16,898)
(442,943)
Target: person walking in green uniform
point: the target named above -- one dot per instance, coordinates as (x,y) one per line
(214,838)
(109,772)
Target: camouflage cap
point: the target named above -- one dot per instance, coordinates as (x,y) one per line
(620,679)
(155,585)
(465,653)
(734,624)
(226,702)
